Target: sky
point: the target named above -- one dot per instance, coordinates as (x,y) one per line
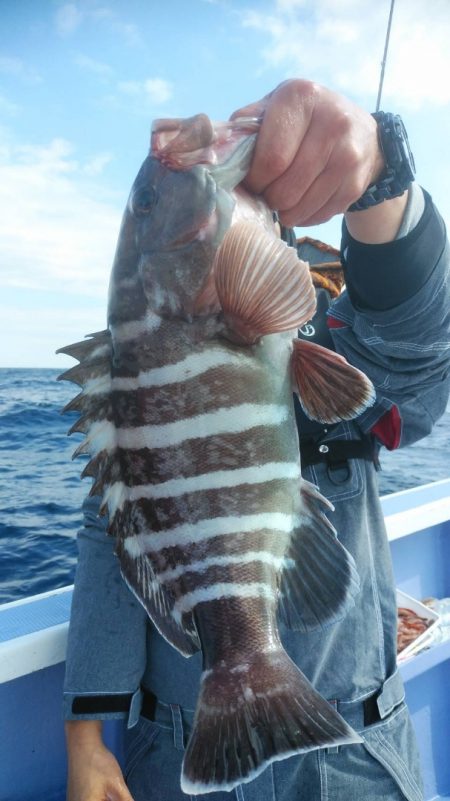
(81,82)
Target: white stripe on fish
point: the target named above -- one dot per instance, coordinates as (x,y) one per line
(106,436)
(98,386)
(254,589)
(118,492)
(133,329)
(193,365)
(203,565)
(207,529)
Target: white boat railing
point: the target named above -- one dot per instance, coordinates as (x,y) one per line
(33,633)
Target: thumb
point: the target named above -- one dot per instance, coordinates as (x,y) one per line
(256,109)
(119,793)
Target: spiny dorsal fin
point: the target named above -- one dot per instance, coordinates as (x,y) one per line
(74,405)
(328,387)
(262,285)
(85,348)
(86,371)
(93,374)
(94,355)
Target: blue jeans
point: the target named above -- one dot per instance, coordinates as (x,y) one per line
(376,769)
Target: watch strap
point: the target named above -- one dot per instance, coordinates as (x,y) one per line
(399,163)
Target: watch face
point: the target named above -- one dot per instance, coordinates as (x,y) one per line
(399,162)
(396,149)
(408,158)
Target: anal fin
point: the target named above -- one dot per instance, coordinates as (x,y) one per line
(157,601)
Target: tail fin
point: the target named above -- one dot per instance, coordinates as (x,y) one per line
(251,715)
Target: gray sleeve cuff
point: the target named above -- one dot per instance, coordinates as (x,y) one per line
(102,706)
(414,210)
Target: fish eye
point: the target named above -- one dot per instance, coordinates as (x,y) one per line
(143,201)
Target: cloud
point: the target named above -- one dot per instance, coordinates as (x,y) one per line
(341,45)
(128,31)
(58,229)
(68,19)
(7,107)
(97,164)
(17,68)
(93,66)
(149,91)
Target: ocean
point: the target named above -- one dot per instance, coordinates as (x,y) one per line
(41,491)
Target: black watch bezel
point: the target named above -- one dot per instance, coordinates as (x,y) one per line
(399,169)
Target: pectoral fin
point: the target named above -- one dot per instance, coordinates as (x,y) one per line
(262,285)
(328,387)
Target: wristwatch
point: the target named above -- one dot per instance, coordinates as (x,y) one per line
(399,163)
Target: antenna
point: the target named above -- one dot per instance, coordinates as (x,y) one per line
(383,63)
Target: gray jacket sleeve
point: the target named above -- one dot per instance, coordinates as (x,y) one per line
(106,652)
(393,322)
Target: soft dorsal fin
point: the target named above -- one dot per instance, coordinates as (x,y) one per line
(328,387)
(263,287)
(320,581)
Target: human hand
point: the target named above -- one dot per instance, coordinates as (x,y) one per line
(316,152)
(94,773)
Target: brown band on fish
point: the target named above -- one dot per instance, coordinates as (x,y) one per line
(184,400)
(165,513)
(236,544)
(261,445)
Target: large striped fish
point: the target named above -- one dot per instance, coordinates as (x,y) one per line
(187,406)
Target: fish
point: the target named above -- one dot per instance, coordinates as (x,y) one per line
(186,404)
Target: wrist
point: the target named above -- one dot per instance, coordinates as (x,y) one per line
(379,224)
(83,734)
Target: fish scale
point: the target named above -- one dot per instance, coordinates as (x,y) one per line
(187,408)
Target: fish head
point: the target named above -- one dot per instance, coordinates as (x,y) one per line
(181,205)
(175,220)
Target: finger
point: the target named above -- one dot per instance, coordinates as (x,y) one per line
(316,208)
(286,119)
(337,204)
(252,110)
(118,792)
(318,196)
(310,161)
(321,182)
(319,205)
